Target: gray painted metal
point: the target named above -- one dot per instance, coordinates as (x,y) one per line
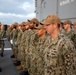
(65,9)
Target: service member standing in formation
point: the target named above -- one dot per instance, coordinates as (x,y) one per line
(15,35)
(43,37)
(17,63)
(42,48)
(32,45)
(62,30)
(60,54)
(20,44)
(2,33)
(69,31)
(8,31)
(24,47)
(13,39)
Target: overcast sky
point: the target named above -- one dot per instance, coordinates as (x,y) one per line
(16,10)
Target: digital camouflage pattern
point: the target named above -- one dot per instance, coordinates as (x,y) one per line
(8,32)
(2,33)
(59,57)
(72,36)
(42,44)
(18,45)
(63,31)
(14,38)
(23,47)
(27,56)
(32,53)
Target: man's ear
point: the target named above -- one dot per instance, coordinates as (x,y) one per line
(55,25)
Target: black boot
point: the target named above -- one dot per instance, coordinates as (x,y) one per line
(1,54)
(24,73)
(17,63)
(0,70)
(12,56)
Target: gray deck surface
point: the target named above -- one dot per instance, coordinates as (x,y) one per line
(7,65)
(6,62)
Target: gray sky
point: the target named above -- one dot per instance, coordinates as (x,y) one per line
(16,11)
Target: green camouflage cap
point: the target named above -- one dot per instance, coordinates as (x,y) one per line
(51,19)
(67,22)
(34,20)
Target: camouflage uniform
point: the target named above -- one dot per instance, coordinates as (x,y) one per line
(27,43)
(32,53)
(63,31)
(2,33)
(23,47)
(42,44)
(59,57)
(11,36)
(18,44)
(14,38)
(72,36)
(8,34)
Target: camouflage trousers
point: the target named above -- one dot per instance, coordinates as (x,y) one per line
(22,56)
(40,66)
(28,61)
(1,46)
(19,53)
(33,65)
(25,61)
(12,48)
(15,51)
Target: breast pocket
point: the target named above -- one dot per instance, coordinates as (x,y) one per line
(54,56)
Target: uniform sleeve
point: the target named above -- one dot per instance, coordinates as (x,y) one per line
(69,58)
(74,39)
(2,34)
